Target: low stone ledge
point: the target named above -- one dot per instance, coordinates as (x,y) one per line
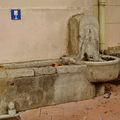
(20,73)
(14,73)
(45,70)
(71,69)
(9,117)
(30,64)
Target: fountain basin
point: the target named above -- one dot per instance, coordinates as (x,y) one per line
(104,71)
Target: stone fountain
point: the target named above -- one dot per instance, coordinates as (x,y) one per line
(34,84)
(84,46)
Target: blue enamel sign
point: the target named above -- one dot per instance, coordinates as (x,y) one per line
(15,14)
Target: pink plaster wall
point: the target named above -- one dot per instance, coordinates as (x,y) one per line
(42,32)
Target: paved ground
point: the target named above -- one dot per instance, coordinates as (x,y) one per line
(105,107)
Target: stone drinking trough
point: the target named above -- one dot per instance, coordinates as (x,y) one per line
(31,87)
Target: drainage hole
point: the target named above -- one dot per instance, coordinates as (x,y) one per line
(12,84)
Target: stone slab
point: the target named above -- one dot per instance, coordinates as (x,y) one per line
(71,69)
(45,70)
(30,64)
(14,73)
(73,87)
(8,117)
(27,92)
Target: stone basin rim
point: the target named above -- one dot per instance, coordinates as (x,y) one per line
(114,61)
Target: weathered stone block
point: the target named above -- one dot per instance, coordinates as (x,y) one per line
(14,73)
(31,92)
(71,69)
(45,70)
(30,64)
(73,86)
(27,92)
(73,47)
(7,117)
(3,74)
(10,117)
